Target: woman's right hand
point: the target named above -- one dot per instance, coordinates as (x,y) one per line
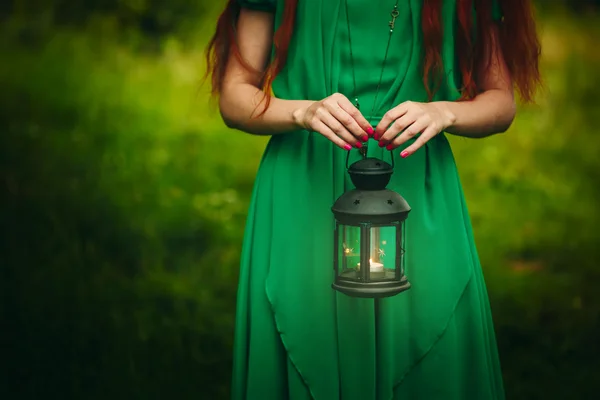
(336,118)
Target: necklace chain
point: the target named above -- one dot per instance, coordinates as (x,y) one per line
(394,14)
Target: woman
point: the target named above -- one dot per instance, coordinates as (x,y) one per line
(396,75)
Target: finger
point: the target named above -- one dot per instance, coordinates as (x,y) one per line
(348,122)
(408,133)
(390,117)
(428,133)
(395,128)
(357,116)
(324,130)
(339,129)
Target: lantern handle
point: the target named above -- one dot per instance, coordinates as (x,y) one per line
(392,154)
(362,151)
(347,158)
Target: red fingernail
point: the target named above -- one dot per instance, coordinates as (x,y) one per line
(404,154)
(370,130)
(389,147)
(381,144)
(376,137)
(358,145)
(347,147)
(365,138)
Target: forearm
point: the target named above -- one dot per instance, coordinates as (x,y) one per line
(241,104)
(491,112)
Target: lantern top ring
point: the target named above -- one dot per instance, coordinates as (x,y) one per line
(364,157)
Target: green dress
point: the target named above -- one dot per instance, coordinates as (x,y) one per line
(295,337)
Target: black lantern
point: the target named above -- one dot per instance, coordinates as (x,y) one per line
(369,233)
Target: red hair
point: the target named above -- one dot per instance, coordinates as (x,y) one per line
(517,37)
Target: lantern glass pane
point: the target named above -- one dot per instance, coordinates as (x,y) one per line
(348,252)
(383,253)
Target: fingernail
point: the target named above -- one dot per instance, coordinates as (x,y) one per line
(365,138)
(376,137)
(404,154)
(358,145)
(389,147)
(347,147)
(370,130)
(381,144)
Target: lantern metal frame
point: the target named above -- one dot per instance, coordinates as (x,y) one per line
(370,205)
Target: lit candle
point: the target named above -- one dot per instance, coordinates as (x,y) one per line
(375,269)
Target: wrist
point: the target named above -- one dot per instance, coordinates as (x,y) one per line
(298,115)
(447,111)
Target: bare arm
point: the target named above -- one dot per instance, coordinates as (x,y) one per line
(241,97)
(492,111)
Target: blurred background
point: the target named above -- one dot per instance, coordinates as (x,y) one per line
(123,201)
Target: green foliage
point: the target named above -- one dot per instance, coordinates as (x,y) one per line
(124,198)
(533,195)
(134,20)
(124,218)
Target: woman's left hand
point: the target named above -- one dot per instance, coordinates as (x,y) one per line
(407,120)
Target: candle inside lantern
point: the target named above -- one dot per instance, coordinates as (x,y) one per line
(375,269)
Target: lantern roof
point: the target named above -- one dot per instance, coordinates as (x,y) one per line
(370,202)
(370,206)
